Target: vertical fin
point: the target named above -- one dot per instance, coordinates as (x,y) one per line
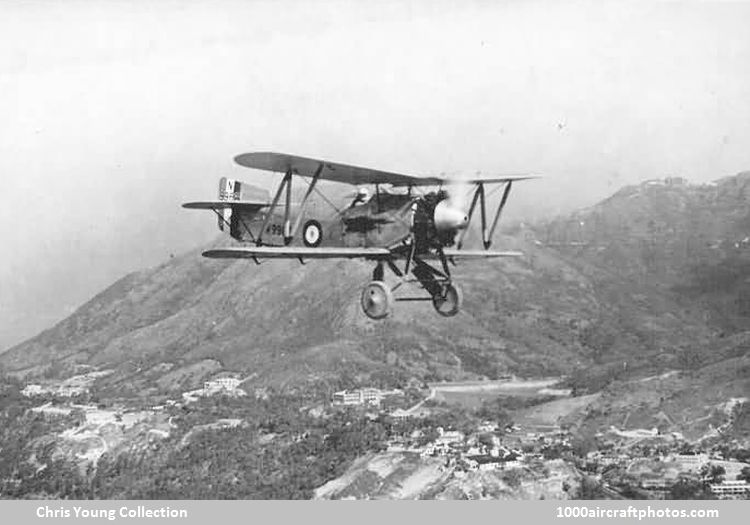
(229,190)
(226,187)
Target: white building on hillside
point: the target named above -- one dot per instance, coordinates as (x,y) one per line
(449,436)
(228,384)
(32,390)
(400,414)
(729,488)
(363,396)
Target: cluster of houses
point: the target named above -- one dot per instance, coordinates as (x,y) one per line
(54,390)
(729,487)
(658,474)
(464,453)
(660,486)
(77,385)
(225,384)
(495,457)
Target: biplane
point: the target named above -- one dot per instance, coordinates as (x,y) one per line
(406,224)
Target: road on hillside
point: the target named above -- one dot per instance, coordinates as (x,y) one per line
(478,386)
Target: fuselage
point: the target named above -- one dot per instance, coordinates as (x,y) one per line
(384,220)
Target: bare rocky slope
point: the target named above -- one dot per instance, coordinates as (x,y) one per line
(404,475)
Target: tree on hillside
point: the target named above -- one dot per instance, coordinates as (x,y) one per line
(584,444)
(600,337)
(687,488)
(713,473)
(486,439)
(590,488)
(689,358)
(495,411)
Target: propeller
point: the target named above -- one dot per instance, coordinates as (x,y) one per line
(450,214)
(439,216)
(458,188)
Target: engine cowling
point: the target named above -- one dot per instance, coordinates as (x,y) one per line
(436,221)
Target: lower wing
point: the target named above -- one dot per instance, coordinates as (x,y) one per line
(286,252)
(218,205)
(293,252)
(458,255)
(479,254)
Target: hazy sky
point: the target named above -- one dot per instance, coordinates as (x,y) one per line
(113,113)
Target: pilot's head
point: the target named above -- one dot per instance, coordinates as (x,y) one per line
(363,195)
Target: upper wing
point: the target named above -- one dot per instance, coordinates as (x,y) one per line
(332,171)
(216,205)
(492,180)
(292,252)
(345,173)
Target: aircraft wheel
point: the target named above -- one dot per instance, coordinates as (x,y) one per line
(448,301)
(377,300)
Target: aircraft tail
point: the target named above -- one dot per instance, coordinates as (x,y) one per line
(235,190)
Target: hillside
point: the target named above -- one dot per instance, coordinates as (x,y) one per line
(683,250)
(690,242)
(284,323)
(632,287)
(634,303)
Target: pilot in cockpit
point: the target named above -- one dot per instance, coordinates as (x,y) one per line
(362,197)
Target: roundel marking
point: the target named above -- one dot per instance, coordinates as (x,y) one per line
(312,234)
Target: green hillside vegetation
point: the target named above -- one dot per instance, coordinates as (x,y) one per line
(279,451)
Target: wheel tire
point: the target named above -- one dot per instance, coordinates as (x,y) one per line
(377,300)
(448,302)
(312,234)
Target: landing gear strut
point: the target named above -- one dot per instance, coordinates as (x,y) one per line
(377,297)
(378,272)
(446,296)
